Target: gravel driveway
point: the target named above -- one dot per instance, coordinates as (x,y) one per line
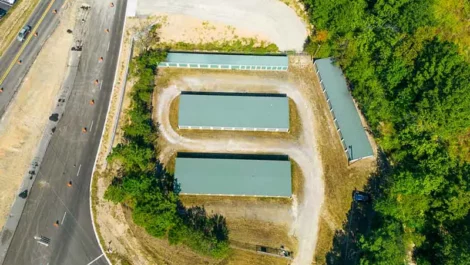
(306,210)
(270,18)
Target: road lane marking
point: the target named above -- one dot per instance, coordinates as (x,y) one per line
(91,126)
(78,172)
(26,42)
(108,47)
(63,218)
(101,85)
(95,259)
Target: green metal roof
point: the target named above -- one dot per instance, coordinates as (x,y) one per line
(344,110)
(236,110)
(228,59)
(221,176)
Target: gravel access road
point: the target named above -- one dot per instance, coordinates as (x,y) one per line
(306,210)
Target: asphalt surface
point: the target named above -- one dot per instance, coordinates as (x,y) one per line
(5,5)
(29,54)
(71,155)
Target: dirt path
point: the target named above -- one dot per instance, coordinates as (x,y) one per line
(306,210)
(22,127)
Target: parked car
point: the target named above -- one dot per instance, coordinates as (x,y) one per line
(3,12)
(24,33)
(359,196)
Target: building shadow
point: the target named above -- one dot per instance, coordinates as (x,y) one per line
(360,218)
(274,157)
(243,94)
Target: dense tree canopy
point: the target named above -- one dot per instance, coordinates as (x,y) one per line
(410,73)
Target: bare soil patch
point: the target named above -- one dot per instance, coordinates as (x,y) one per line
(243,257)
(176,28)
(270,18)
(23,125)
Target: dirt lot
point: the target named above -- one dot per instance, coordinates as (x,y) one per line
(269,19)
(22,127)
(183,28)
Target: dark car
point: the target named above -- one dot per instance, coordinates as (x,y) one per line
(359,196)
(3,12)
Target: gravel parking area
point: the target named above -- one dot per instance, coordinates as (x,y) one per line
(270,18)
(305,209)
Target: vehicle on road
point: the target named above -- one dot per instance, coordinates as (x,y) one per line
(24,33)
(3,12)
(360,196)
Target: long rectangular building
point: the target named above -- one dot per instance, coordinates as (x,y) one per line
(347,121)
(226,61)
(234,175)
(234,111)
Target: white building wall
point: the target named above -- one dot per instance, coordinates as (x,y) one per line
(249,129)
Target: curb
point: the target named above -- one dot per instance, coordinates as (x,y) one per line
(101,140)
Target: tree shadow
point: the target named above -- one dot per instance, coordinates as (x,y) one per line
(194,217)
(360,217)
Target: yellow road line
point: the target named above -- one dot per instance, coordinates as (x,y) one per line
(26,42)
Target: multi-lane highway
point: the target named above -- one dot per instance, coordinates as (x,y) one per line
(43,22)
(71,153)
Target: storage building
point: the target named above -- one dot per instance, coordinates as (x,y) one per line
(226,61)
(345,114)
(234,111)
(233,175)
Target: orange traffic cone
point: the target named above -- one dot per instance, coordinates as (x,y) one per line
(54,11)
(111,4)
(69,184)
(100,59)
(84,130)
(92,102)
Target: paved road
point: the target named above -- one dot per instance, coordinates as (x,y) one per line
(5,5)
(71,155)
(31,50)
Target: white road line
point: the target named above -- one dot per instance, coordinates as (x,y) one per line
(101,85)
(91,126)
(63,218)
(78,172)
(108,47)
(95,259)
